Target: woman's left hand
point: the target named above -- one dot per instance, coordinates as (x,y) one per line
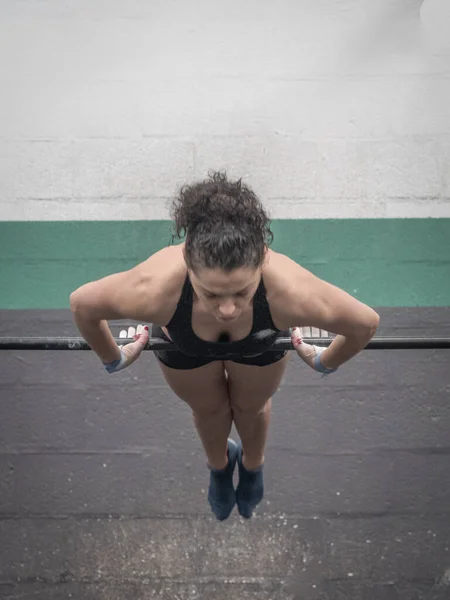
(307,352)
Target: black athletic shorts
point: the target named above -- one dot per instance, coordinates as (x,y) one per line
(177,360)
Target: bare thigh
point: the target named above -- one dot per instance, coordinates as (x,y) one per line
(204,388)
(250,387)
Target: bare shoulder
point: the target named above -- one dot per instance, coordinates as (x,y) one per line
(298,297)
(161,278)
(280,271)
(288,285)
(164,265)
(148,292)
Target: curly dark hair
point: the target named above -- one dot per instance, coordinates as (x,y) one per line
(224,222)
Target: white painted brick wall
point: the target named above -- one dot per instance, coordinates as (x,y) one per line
(332,108)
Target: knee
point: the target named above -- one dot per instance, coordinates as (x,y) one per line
(243,406)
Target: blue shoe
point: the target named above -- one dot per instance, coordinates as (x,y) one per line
(221,493)
(250,489)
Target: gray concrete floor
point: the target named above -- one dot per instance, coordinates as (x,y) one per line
(103,481)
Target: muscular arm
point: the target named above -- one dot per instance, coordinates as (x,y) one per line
(118,296)
(311,301)
(129,295)
(355,323)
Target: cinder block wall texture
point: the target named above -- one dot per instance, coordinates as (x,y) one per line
(333,109)
(328,108)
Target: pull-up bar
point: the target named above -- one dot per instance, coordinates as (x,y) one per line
(282,343)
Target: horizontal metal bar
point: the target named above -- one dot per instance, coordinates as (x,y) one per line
(60,343)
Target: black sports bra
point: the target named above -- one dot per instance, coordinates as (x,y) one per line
(261,337)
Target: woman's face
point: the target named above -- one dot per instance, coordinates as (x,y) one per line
(225,294)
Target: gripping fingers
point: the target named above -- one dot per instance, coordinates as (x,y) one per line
(128,333)
(140,336)
(138,333)
(130,352)
(309,353)
(304,350)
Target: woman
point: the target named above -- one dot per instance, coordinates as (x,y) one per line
(223,297)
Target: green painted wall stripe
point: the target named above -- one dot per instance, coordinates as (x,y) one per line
(383,262)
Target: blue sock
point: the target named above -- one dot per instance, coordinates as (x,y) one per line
(221,493)
(250,490)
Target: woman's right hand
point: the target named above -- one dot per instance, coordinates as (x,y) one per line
(130,352)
